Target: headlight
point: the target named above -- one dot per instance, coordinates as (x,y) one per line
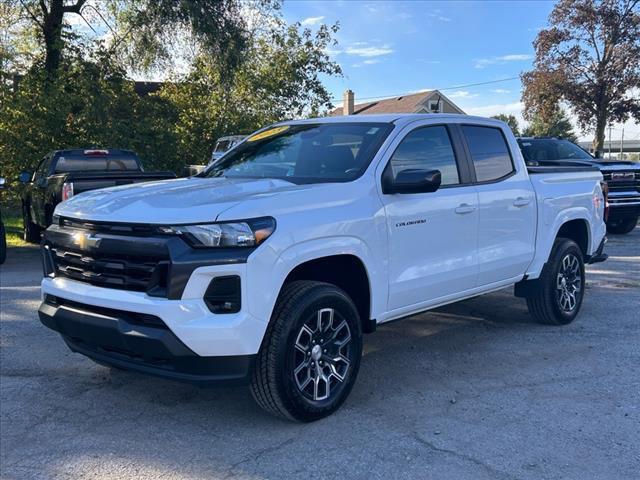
(247,233)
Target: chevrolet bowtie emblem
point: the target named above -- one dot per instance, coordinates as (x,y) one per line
(86,240)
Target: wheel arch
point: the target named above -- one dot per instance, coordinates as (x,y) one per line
(578,231)
(346,271)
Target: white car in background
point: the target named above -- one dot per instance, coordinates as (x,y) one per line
(224,144)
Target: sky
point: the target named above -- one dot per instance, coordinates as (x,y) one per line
(391,48)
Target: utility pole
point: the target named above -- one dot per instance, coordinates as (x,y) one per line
(609,141)
(622,146)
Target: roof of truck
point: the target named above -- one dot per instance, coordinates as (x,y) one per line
(395,118)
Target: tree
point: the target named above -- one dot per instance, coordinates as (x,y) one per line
(510,120)
(48,19)
(558,125)
(152,33)
(148,30)
(280,79)
(589,57)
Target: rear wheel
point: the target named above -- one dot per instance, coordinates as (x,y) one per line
(622,226)
(311,353)
(558,300)
(31,231)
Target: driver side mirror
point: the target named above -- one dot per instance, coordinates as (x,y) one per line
(412,181)
(24,177)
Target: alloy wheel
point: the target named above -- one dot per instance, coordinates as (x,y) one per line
(569,283)
(322,354)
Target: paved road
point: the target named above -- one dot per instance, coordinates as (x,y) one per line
(471,391)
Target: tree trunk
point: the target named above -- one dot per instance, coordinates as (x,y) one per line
(52,33)
(602,105)
(598,139)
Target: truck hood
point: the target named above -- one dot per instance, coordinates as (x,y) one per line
(617,165)
(604,165)
(181,201)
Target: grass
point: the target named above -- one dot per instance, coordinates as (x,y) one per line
(12,219)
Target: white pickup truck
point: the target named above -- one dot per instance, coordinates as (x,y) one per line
(267,268)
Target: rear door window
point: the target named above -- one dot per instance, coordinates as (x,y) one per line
(489,152)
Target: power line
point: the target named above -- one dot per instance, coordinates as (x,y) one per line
(445,88)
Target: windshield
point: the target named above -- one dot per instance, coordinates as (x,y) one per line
(308,153)
(549,149)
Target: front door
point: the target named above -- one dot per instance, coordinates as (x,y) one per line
(432,236)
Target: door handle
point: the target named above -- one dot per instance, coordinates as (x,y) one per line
(464,208)
(521,202)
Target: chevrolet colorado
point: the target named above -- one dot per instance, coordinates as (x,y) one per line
(64,173)
(622,177)
(268,267)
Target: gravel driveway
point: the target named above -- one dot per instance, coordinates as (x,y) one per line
(472,391)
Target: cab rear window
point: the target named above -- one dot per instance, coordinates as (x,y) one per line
(93,163)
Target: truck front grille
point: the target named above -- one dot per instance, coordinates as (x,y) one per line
(121,261)
(112,271)
(622,181)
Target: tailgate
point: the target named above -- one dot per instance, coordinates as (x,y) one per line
(86,182)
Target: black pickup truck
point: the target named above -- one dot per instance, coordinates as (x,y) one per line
(622,178)
(64,173)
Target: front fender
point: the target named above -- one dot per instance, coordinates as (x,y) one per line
(266,274)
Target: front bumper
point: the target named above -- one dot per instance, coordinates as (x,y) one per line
(139,342)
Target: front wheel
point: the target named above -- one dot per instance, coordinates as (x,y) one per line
(622,226)
(310,356)
(558,299)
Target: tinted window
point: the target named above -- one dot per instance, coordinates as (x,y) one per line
(427,148)
(489,152)
(87,163)
(549,149)
(43,168)
(223,146)
(306,153)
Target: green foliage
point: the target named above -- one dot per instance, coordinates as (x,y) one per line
(510,120)
(557,126)
(279,79)
(91,103)
(152,31)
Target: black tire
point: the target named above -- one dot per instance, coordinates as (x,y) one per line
(3,244)
(290,346)
(30,231)
(622,226)
(552,304)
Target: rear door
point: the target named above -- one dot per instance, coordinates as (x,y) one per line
(432,236)
(507,216)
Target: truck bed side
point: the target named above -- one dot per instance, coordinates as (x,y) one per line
(566,194)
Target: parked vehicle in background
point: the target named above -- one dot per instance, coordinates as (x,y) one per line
(622,178)
(224,144)
(61,174)
(3,233)
(268,267)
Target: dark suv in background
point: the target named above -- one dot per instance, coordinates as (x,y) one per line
(622,177)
